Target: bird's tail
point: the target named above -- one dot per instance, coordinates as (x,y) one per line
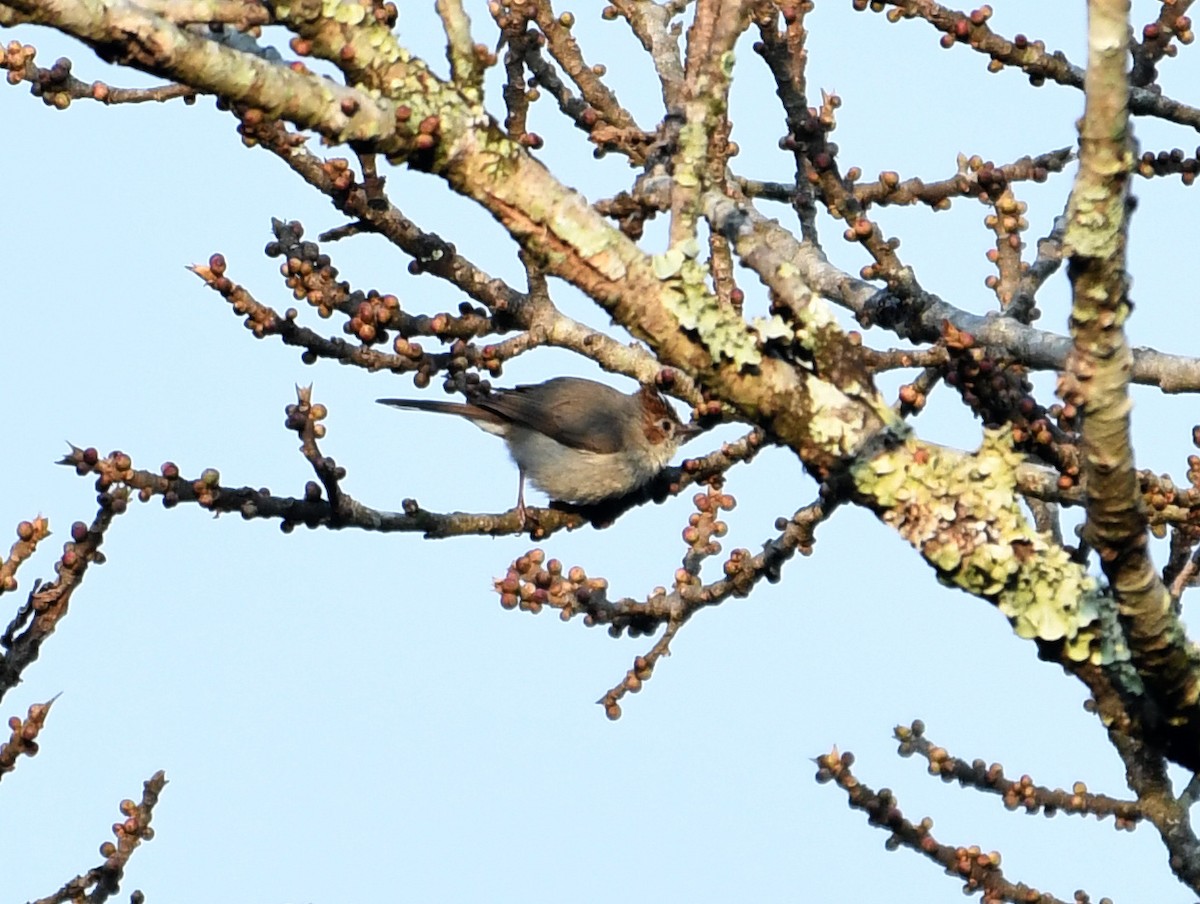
(471,412)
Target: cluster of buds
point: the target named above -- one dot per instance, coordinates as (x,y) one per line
(170,473)
(127,830)
(23,740)
(338,168)
(308,273)
(52,84)
(993,185)
(1008,222)
(1166,162)
(371,315)
(1000,392)
(81,534)
(1181,29)
(115,473)
(415,359)
(1193,461)
(1165,500)
(965,26)
(134,828)
(643,668)
(17,57)
(970,862)
(429,133)
(260,319)
(703,525)
(304,414)
(532,582)
(29,534)
(207,488)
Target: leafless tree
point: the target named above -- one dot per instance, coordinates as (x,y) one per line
(987,521)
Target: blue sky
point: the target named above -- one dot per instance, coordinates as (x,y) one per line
(345,716)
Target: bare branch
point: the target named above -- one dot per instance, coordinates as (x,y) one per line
(102,882)
(979,871)
(47,604)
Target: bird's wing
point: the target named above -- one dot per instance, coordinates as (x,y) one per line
(578,413)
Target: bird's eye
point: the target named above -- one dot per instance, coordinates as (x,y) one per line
(667,426)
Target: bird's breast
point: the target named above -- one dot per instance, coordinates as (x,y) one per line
(580,476)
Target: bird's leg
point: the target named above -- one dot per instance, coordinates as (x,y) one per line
(521,496)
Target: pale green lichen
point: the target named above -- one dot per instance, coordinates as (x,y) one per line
(668,264)
(774,328)
(1096,213)
(346,13)
(685,294)
(817,331)
(962,513)
(572,222)
(837,426)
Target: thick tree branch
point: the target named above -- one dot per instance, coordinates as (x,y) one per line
(1096,382)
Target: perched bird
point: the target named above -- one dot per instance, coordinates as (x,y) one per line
(577,440)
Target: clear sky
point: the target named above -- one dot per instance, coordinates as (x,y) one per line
(346,716)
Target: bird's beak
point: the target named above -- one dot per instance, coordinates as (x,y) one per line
(689,431)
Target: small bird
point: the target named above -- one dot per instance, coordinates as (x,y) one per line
(577,440)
